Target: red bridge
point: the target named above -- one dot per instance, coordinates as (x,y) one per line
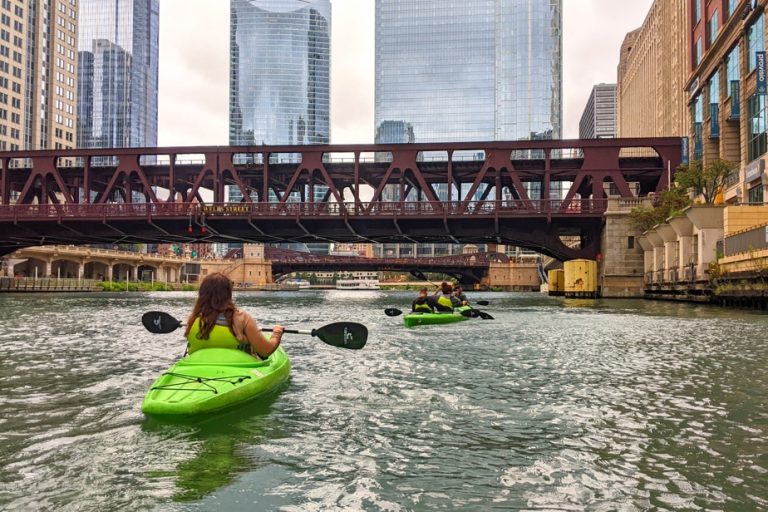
(454,192)
(464,268)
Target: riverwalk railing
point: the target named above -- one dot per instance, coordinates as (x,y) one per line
(754,239)
(31,284)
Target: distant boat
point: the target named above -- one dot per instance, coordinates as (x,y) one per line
(295,281)
(357,284)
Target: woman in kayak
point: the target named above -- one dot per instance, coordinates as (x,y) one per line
(444,304)
(216,322)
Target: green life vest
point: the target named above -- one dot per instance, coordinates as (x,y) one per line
(422,307)
(220,337)
(444,303)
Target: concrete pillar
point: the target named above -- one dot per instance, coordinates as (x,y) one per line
(110,272)
(684,229)
(707,240)
(134,271)
(80,270)
(658,254)
(48,267)
(670,250)
(707,220)
(647,256)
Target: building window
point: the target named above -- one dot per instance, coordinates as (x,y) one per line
(755,41)
(697,52)
(696,11)
(756,142)
(714,105)
(698,120)
(732,79)
(630,242)
(713,27)
(731,7)
(755,195)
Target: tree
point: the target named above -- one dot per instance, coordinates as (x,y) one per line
(669,203)
(706,182)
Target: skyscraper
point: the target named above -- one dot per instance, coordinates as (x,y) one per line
(469,70)
(599,117)
(280,85)
(118,73)
(38,63)
(280,77)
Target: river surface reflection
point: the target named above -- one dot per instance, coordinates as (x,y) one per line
(556,404)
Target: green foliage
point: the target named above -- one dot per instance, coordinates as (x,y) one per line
(706,182)
(140,286)
(671,202)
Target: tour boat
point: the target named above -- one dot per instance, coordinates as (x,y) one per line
(357,284)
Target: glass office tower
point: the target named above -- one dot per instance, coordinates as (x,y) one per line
(469,70)
(118,44)
(280,87)
(280,78)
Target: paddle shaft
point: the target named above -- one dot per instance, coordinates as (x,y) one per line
(270,329)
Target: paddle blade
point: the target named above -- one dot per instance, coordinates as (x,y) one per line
(159,322)
(482,302)
(392,312)
(343,335)
(470,313)
(484,315)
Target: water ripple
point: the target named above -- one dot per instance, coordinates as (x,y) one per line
(555,405)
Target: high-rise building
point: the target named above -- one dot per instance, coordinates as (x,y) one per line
(464,71)
(599,118)
(727,98)
(118,73)
(280,78)
(38,73)
(653,69)
(280,86)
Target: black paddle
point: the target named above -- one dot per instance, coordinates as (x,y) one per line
(474,313)
(482,302)
(340,334)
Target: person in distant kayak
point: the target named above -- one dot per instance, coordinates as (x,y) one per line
(459,297)
(216,322)
(443,302)
(423,303)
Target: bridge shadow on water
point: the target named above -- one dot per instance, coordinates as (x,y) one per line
(215,444)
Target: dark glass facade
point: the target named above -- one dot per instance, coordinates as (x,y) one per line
(280,72)
(469,70)
(118,56)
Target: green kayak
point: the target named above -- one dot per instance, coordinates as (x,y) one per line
(414,319)
(212,379)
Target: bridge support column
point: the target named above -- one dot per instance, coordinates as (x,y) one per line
(110,272)
(514,276)
(621,271)
(48,267)
(134,272)
(80,270)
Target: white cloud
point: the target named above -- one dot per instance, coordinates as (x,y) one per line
(194,65)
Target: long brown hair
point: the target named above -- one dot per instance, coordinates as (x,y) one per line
(213,299)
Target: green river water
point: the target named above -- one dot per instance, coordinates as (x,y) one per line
(556,404)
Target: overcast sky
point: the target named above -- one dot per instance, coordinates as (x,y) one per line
(194,65)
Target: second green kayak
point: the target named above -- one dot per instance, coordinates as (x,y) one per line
(212,379)
(414,319)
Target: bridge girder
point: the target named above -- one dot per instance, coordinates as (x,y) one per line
(163,195)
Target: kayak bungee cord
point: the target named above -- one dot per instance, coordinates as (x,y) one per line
(199,380)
